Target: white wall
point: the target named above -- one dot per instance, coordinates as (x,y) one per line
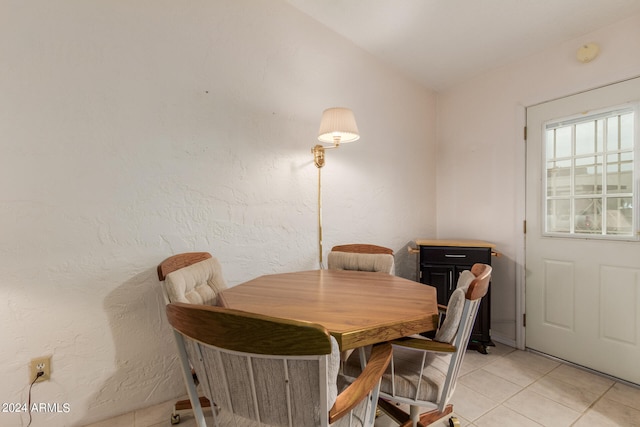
(480,176)
(133,130)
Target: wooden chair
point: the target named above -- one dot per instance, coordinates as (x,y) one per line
(423,372)
(263,370)
(196,278)
(362,257)
(464,280)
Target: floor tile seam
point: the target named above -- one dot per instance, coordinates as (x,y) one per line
(506,378)
(586,371)
(591,407)
(135,420)
(478,367)
(496,404)
(523,415)
(474,369)
(497,401)
(618,402)
(593,404)
(561,379)
(589,390)
(520,365)
(471,371)
(569,384)
(496,357)
(626,383)
(509,381)
(560,403)
(500,401)
(600,396)
(515,409)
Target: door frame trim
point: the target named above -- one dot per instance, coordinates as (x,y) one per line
(521,198)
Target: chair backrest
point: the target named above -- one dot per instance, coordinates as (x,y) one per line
(192,277)
(461,314)
(362,248)
(361,257)
(176,262)
(271,371)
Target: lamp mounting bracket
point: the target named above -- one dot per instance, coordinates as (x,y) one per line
(318,155)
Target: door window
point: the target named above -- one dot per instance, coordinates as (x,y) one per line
(590,175)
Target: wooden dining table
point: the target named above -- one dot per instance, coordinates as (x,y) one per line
(358,308)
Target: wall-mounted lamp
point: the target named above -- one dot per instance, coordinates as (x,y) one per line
(338,125)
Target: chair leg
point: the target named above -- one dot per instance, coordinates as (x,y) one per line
(405,420)
(395,413)
(430,417)
(414,415)
(183,405)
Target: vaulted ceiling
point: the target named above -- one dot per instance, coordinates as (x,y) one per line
(441,42)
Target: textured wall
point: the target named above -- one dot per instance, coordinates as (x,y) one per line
(132,130)
(481,163)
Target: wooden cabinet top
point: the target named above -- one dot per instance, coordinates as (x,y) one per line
(455,242)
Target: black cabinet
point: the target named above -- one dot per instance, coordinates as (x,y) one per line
(440,265)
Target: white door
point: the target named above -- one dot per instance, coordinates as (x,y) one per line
(582,247)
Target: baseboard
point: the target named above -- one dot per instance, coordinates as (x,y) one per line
(503,339)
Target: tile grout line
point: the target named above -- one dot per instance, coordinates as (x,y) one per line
(498,404)
(581,413)
(545,374)
(593,403)
(589,371)
(584,368)
(532,391)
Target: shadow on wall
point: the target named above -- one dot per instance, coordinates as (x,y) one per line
(503,299)
(406,262)
(146,361)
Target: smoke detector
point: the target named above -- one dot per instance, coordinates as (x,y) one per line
(587,52)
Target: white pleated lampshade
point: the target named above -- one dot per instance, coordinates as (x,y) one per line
(338,125)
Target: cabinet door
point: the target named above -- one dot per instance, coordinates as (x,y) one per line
(445,279)
(440,277)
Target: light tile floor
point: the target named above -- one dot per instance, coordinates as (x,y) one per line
(507,387)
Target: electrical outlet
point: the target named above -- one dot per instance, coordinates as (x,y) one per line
(40,364)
